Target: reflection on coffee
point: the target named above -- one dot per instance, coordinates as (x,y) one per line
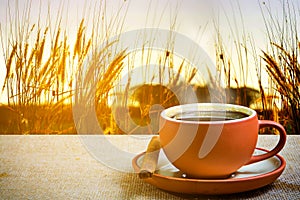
(209,115)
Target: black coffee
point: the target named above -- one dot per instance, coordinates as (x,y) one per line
(209,115)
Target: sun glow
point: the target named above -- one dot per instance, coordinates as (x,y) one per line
(45,44)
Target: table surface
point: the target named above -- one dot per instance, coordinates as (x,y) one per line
(69,167)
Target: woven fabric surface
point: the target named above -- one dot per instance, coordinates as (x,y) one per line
(61,167)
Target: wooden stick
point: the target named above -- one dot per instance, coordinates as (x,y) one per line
(150,159)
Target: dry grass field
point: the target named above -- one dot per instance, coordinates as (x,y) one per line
(46,74)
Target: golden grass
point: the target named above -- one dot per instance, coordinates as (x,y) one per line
(39,72)
(285,75)
(45,74)
(283,64)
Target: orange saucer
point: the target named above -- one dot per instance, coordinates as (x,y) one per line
(248,177)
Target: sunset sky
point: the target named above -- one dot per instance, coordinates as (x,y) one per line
(197,19)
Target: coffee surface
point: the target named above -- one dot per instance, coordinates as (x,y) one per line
(209,115)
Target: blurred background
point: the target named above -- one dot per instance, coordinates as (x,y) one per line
(58,55)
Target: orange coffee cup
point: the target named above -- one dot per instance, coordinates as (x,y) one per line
(211,140)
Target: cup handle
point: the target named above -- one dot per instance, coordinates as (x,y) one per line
(279,146)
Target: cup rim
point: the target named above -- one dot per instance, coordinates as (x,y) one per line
(172,111)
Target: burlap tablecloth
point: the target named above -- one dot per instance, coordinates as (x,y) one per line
(61,167)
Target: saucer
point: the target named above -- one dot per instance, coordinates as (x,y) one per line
(248,177)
